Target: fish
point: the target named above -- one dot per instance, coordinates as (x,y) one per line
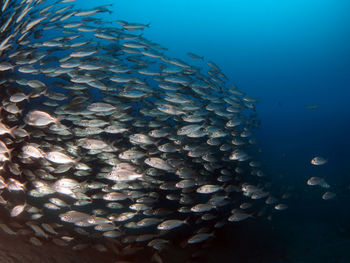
(17,210)
(194,56)
(311,107)
(158,163)
(123,175)
(281,206)
(4,66)
(328,195)
(39,118)
(6,130)
(35,241)
(74,216)
(318,160)
(208,189)
(4,149)
(100,107)
(132,26)
(7,229)
(171,224)
(58,157)
(314,180)
(104,133)
(238,216)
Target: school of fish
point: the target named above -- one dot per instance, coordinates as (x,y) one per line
(106,139)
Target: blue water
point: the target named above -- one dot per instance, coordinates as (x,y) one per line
(287,54)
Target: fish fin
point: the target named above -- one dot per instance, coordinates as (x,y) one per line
(187,220)
(77,160)
(9,153)
(156,258)
(11,130)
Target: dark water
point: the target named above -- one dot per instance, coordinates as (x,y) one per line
(288,55)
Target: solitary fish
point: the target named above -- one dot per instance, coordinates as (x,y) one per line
(318,160)
(314,180)
(281,206)
(328,195)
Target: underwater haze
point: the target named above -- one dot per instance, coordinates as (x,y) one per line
(288,54)
(294,57)
(281,74)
